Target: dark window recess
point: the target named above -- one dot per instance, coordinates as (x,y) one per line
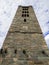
(43,52)
(1,51)
(24,52)
(22,11)
(15,51)
(5,51)
(27,15)
(25,8)
(27,11)
(23,15)
(24,20)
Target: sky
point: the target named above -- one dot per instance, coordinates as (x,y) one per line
(8,9)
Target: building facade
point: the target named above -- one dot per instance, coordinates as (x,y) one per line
(24,44)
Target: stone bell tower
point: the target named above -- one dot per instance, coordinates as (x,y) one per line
(24,44)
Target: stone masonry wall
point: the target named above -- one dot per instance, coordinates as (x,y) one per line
(24,44)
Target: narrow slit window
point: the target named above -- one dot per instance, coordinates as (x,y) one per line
(1,51)
(24,20)
(24,52)
(5,51)
(15,51)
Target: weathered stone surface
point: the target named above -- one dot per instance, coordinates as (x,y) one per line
(24,44)
(30,25)
(25,41)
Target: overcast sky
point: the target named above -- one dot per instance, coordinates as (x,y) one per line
(8,9)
